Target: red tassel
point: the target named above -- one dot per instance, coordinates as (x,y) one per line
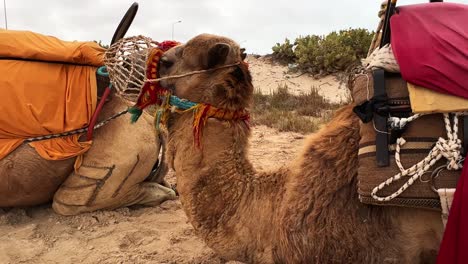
(199,122)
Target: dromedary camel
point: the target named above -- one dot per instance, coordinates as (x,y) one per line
(112,174)
(307,212)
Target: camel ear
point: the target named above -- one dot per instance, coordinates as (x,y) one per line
(217,55)
(243,55)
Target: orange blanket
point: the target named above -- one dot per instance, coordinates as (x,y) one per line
(40,97)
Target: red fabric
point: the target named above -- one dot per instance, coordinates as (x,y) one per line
(454,246)
(151,91)
(430,43)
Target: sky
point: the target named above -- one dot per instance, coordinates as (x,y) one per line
(256,25)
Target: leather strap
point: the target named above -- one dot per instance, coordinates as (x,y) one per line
(380,121)
(386,26)
(125,23)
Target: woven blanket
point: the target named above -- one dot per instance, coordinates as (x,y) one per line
(46,86)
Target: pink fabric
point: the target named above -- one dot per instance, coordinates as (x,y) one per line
(454,246)
(430,43)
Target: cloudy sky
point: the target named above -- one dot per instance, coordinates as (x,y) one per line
(256,24)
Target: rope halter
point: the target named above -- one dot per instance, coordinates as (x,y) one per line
(133,63)
(201,113)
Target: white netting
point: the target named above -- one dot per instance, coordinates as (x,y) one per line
(125,61)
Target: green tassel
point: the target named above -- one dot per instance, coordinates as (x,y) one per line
(135,112)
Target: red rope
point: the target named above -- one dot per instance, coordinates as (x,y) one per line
(89,135)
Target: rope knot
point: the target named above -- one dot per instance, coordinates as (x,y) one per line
(448,148)
(401,122)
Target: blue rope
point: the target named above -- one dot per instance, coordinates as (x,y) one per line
(103,71)
(158,118)
(181,103)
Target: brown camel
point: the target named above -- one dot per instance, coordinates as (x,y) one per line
(113,173)
(307,212)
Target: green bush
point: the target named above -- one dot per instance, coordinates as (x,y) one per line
(101,44)
(326,54)
(284,52)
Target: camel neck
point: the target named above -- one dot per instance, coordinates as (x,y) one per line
(219,188)
(226,200)
(219,161)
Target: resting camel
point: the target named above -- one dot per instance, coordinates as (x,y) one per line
(306,212)
(113,173)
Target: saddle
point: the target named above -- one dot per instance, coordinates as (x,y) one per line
(52,85)
(412,141)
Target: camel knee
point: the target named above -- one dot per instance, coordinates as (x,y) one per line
(68,209)
(146,193)
(94,187)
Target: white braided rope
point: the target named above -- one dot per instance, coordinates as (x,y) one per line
(448,148)
(401,122)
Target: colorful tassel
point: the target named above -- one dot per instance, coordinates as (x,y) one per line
(135,113)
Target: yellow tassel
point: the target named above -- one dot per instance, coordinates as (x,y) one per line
(199,121)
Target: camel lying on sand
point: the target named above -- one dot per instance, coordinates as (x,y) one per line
(112,174)
(306,212)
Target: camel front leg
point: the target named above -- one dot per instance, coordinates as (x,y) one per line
(96,186)
(114,171)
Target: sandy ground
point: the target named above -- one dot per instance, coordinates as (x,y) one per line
(267,76)
(128,235)
(145,235)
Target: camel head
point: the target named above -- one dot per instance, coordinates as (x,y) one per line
(223,86)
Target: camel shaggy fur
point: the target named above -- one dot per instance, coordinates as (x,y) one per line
(306,212)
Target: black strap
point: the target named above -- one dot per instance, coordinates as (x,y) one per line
(45,61)
(367,110)
(380,121)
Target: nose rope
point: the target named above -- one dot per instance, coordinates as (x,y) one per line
(191,73)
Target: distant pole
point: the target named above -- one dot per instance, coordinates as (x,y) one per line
(4,9)
(172,35)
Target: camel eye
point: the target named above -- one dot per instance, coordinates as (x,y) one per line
(165,62)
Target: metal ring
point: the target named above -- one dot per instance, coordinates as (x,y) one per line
(429,178)
(434,175)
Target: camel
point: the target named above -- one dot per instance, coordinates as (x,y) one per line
(114,172)
(305,212)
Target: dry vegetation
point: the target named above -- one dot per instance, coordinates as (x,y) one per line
(303,113)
